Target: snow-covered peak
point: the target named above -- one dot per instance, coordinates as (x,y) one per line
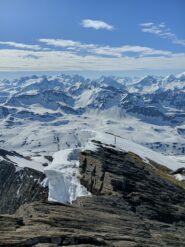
(147,84)
(111,81)
(147,80)
(170,78)
(181,76)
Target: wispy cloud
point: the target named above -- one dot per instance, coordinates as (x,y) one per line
(20,45)
(162,31)
(133,50)
(65,43)
(96,24)
(120,51)
(146,24)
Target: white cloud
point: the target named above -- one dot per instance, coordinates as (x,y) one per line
(96,24)
(74,55)
(20,45)
(59,42)
(78,47)
(135,50)
(25,60)
(147,24)
(162,31)
(66,43)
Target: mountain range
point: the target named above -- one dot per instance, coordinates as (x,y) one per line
(45,113)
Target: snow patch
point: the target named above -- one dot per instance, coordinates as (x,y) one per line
(63,177)
(180,177)
(44,182)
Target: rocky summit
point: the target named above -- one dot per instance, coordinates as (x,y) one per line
(133,203)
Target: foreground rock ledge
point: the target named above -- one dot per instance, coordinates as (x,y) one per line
(133,205)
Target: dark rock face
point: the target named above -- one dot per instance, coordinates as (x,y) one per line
(18,186)
(3,153)
(133,204)
(179,171)
(114,173)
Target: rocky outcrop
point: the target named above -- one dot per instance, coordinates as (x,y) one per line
(18,186)
(147,189)
(133,204)
(92,221)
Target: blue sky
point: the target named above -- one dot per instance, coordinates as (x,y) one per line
(93,36)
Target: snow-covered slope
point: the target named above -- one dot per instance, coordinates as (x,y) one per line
(125,145)
(46,113)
